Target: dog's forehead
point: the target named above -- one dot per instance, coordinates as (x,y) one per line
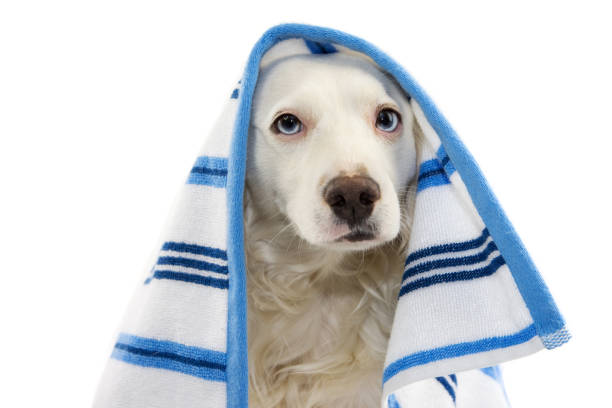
(305,77)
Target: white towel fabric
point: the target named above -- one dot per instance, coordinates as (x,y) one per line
(470,298)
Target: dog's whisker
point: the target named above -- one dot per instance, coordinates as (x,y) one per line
(280,232)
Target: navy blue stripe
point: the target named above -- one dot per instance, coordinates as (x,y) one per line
(212,162)
(430,173)
(209,171)
(170,356)
(447,387)
(490,269)
(328,48)
(168,346)
(433,181)
(208,374)
(313,46)
(195,249)
(320,48)
(451,247)
(453,378)
(192,263)
(447,262)
(436,180)
(192,278)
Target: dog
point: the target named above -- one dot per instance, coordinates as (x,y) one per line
(330,181)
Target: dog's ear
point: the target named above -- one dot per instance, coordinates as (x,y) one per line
(246,198)
(392,79)
(422,130)
(284,49)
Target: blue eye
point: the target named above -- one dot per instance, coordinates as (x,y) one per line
(387,120)
(288,124)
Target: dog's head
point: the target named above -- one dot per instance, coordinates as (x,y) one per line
(331,147)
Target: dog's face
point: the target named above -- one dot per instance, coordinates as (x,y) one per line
(331,147)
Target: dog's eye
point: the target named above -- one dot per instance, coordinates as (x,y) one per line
(288,124)
(387,120)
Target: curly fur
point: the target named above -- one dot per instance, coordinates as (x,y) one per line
(319,319)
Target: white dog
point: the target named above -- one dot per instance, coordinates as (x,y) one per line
(330,181)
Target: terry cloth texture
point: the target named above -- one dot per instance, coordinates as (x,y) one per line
(470,298)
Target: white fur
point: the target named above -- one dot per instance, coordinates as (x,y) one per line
(320,310)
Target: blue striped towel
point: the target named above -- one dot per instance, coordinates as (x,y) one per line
(470,298)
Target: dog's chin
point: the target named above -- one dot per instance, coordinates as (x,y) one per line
(348,244)
(353,240)
(357,236)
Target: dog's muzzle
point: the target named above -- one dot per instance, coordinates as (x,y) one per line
(352,199)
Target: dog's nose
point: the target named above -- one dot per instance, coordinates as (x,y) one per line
(352,198)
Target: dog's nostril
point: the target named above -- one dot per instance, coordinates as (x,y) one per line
(366,198)
(352,198)
(337,201)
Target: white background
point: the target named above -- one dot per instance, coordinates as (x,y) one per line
(104,106)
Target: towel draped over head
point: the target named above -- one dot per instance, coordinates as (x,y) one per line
(470,297)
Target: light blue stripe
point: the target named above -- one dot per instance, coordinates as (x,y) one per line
(393,402)
(458,350)
(441,153)
(429,165)
(212,162)
(172,365)
(492,372)
(443,156)
(169,355)
(207,180)
(426,179)
(449,168)
(495,373)
(172,347)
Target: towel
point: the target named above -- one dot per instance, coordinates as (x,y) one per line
(470,298)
